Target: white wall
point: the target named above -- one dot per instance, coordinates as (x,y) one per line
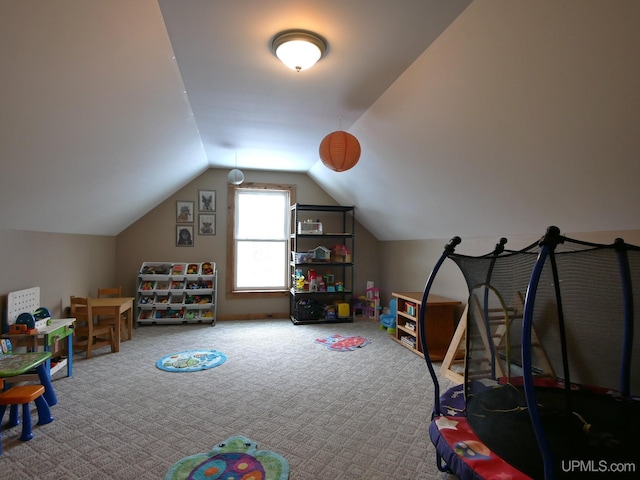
(406,265)
(152,238)
(60,264)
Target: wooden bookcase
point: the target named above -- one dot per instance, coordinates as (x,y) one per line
(440,323)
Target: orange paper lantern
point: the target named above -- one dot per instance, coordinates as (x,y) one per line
(339,151)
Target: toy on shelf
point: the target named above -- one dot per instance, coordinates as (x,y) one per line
(343,309)
(192,269)
(313,280)
(330,312)
(162,269)
(310,227)
(162,298)
(177,269)
(207,269)
(320,254)
(20,329)
(43,315)
(340,254)
(200,285)
(329,278)
(30,323)
(198,299)
(299,280)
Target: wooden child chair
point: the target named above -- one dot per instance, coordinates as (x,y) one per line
(113,292)
(88,335)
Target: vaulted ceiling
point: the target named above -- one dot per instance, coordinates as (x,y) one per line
(480,118)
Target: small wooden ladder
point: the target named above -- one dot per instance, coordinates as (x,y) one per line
(500,320)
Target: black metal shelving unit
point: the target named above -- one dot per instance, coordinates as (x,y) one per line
(307,307)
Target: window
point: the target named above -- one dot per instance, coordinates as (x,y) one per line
(258,235)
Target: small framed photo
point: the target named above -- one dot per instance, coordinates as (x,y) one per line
(184,235)
(184,212)
(207,224)
(206,200)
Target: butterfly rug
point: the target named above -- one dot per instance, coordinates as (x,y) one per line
(338,343)
(191,361)
(236,458)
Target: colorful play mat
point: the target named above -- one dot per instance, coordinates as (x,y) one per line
(235,458)
(338,343)
(191,360)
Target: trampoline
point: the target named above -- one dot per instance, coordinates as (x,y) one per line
(551,379)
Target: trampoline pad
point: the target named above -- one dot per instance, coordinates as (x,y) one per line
(592,427)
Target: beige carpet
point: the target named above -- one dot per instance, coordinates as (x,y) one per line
(332,415)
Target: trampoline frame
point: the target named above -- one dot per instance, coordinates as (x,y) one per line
(547,253)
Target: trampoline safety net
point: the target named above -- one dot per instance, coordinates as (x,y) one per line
(551,375)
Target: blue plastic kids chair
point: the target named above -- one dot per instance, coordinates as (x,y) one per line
(388,320)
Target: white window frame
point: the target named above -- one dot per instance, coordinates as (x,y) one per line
(232,290)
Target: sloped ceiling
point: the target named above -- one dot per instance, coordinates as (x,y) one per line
(96,125)
(519,116)
(478,119)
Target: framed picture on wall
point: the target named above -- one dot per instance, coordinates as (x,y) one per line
(207,224)
(184,235)
(184,212)
(206,200)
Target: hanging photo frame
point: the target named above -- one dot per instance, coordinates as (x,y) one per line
(184,211)
(206,200)
(184,235)
(207,224)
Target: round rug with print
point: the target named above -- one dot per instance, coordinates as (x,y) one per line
(191,361)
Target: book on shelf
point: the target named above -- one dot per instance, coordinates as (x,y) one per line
(409,341)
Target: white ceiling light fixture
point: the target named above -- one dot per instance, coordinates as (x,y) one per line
(298,49)
(235,177)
